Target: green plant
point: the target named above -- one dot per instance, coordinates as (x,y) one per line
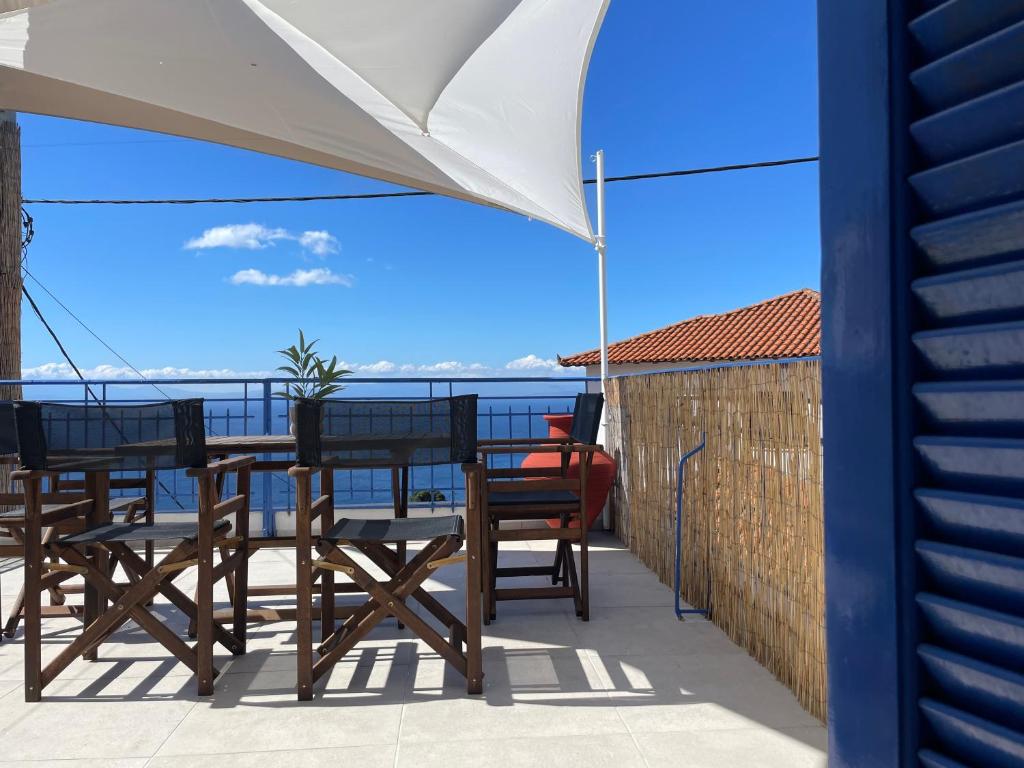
(314,378)
(426,496)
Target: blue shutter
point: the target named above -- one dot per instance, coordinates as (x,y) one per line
(966,211)
(922,217)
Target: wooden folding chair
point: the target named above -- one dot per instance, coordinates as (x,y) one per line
(97,440)
(518,495)
(61,491)
(338,434)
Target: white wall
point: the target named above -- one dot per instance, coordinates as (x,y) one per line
(615,369)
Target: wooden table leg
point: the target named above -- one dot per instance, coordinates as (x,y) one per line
(150,514)
(400,492)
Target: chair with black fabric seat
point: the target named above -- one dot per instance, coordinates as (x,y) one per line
(541,494)
(55,439)
(345,434)
(12,519)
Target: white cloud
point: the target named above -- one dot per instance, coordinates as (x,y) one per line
(300,278)
(104,371)
(378,368)
(319,241)
(249,236)
(381,368)
(255,237)
(533,363)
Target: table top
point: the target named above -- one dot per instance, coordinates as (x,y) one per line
(399,448)
(286,444)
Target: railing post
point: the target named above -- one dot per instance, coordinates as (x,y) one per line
(269,527)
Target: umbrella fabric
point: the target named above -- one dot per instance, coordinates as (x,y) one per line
(474,99)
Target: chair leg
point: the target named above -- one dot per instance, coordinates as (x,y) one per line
(556,569)
(487,568)
(584,613)
(303,588)
(560,569)
(229,578)
(573,578)
(191,632)
(204,590)
(18,608)
(566,556)
(492,601)
(241,604)
(11,627)
(474,556)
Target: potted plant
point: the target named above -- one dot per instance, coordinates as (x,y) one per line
(312,377)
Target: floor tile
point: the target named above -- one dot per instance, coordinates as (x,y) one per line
(749,748)
(375,756)
(589,752)
(351,709)
(106,718)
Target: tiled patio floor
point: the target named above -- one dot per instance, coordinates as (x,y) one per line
(633,687)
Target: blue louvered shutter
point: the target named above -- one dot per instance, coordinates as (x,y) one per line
(966,88)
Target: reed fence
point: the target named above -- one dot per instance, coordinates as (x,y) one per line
(752,503)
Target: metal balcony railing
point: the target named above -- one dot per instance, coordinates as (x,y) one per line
(508,407)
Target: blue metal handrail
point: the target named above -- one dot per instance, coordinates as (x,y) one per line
(680,611)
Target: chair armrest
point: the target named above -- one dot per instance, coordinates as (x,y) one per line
(32,474)
(525,441)
(297,471)
(225,465)
(570,448)
(537,473)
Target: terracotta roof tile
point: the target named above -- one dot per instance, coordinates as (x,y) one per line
(786,326)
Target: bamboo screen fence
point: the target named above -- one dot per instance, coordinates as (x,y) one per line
(752,503)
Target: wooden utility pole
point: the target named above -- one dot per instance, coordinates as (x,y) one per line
(10,262)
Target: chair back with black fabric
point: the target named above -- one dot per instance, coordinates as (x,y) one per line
(169,435)
(350,433)
(396,434)
(8,434)
(586,417)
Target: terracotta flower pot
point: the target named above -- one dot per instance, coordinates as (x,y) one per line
(599,479)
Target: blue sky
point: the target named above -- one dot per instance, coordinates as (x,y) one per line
(427,281)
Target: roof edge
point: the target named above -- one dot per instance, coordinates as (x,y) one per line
(567,361)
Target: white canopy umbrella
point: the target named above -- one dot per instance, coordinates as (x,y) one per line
(474,99)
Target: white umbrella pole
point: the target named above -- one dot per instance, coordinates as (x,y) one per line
(602,249)
(602,291)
